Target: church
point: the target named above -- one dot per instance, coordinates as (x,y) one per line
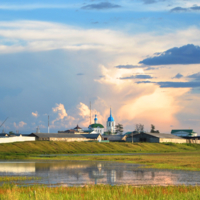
(99,128)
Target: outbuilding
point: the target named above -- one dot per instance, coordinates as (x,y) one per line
(156,138)
(66,137)
(114,138)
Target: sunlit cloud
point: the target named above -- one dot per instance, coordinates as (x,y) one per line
(35,114)
(19,125)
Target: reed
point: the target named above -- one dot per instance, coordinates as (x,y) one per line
(98,192)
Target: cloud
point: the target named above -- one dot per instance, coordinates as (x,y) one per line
(189,9)
(140,76)
(20,124)
(149,1)
(101,6)
(129,66)
(169,84)
(34,6)
(62,118)
(178,76)
(151,68)
(35,114)
(61,112)
(195,76)
(79,74)
(188,54)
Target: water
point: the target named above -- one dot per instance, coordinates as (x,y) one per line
(70,173)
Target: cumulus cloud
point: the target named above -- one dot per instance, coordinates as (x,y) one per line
(178,76)
(189,9)
(61,113)
(139,76)
(19,125)
(188,54)
(35,114)
(110,49)
(100,6)
(84,113)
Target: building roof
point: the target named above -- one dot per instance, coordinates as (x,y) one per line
(60,135)
(96,126)
(111,119)
(162,135)
(189,131)
(77,127)
(114,137)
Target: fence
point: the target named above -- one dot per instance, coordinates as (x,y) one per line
(16,139)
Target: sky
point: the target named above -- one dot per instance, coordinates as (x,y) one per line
(139,57)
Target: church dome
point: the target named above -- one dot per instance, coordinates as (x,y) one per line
(111,119)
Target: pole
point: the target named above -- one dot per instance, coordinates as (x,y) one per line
(90,114)
(48,123)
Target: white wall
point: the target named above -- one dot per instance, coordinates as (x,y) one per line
(16,139)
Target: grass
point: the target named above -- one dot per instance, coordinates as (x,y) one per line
(98,192)
(171,156)
(22,150)
(17,178)
(175,161)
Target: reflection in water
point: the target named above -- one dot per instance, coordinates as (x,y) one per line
(94,172)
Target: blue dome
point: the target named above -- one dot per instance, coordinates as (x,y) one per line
(111,119)
(95,119)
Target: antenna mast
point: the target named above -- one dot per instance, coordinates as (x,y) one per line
(48,123)
(90,114)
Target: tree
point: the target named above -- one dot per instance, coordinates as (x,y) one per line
(108,133)
(153,129)
(11,133)
(119,129)
(139,128)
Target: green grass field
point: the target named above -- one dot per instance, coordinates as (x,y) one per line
(15,150)
(171,156)
(100,192)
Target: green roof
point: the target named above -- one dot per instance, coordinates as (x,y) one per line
(185,130)
(96,126)
(128,133)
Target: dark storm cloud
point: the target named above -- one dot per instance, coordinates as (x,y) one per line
(195,76)
(141,76)
(169,84)
(189,9)
(188,54)
(129,66)
(178,76)
(100,6)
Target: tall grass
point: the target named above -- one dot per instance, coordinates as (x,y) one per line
(98,192)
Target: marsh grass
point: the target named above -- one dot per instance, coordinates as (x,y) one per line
(98,192)
(17,178)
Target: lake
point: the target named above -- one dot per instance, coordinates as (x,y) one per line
(70,173)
